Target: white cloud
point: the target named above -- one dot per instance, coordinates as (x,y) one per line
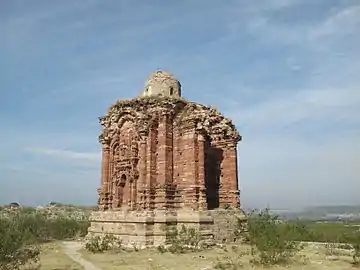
(287,108)
(66,154)
(301,146)
(343,22)
(257,20)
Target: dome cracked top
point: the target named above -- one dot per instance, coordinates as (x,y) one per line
(162,83)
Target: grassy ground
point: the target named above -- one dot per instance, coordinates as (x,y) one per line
(311,258)
(32,226)
(53,257)
(328,231)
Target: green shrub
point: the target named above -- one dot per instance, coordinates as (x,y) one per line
(270,239)
(326,232)
(182,241)
(354,240)
(231,262)
(63,228)
(356,252)
(98,244)
(14,252)
(332,249)
(228,263)
(21,229)
(39,227)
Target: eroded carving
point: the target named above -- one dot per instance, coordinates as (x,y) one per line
(157,141)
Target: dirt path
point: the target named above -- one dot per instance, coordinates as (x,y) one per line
(71,249)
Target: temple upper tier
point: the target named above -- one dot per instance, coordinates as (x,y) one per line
(160,151)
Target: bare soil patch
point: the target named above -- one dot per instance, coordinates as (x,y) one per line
(52,257)
(310,258)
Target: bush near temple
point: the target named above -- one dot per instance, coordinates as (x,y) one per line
(23,229)
(275,241)
(271,240)
(99,244)
(13,249)
(183,241)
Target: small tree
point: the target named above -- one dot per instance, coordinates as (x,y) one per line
(99,244)
(354,240)
(183,240)
(13,249)
(270,239)
(356,246)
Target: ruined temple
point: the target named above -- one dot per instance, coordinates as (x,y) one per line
(164,160)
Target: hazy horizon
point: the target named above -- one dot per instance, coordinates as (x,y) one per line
(286,72)
(243,207)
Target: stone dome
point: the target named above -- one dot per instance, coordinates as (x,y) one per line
(162,83)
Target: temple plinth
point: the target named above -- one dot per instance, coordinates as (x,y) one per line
(164,159)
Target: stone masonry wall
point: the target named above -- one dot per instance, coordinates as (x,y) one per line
(148,228)
(190,159)
(225,223)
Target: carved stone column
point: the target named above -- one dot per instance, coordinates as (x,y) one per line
(229,190)
(151,161)
(178,169)
(141,185)
(104,192)
(164,160)
(189,181)
(134,194)
(111,188)
(201,189)
(105,166)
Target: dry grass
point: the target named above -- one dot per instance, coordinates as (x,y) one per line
(313,257)
(310,258)
(53,257)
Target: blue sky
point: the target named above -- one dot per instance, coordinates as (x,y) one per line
(286,72)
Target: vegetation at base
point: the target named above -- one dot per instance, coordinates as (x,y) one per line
(326,232)
(272,240)
(354,241)
(23,229)
(13,250)
(182,241)
(98,244)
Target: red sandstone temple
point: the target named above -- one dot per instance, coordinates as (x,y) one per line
(160,151)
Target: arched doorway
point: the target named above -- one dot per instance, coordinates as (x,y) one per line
(120,188)
(125,160)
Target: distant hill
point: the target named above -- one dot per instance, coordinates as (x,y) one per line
(336,209)
(334,212)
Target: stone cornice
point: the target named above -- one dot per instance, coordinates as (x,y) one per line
(145,110)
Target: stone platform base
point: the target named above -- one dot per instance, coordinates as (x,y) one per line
(227,223)
(148,229)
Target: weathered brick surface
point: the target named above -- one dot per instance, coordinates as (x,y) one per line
(148,228)
(162,152)
(225,222)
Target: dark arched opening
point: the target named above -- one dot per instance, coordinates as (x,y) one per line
(213,159)
(121,189)
(123,180)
